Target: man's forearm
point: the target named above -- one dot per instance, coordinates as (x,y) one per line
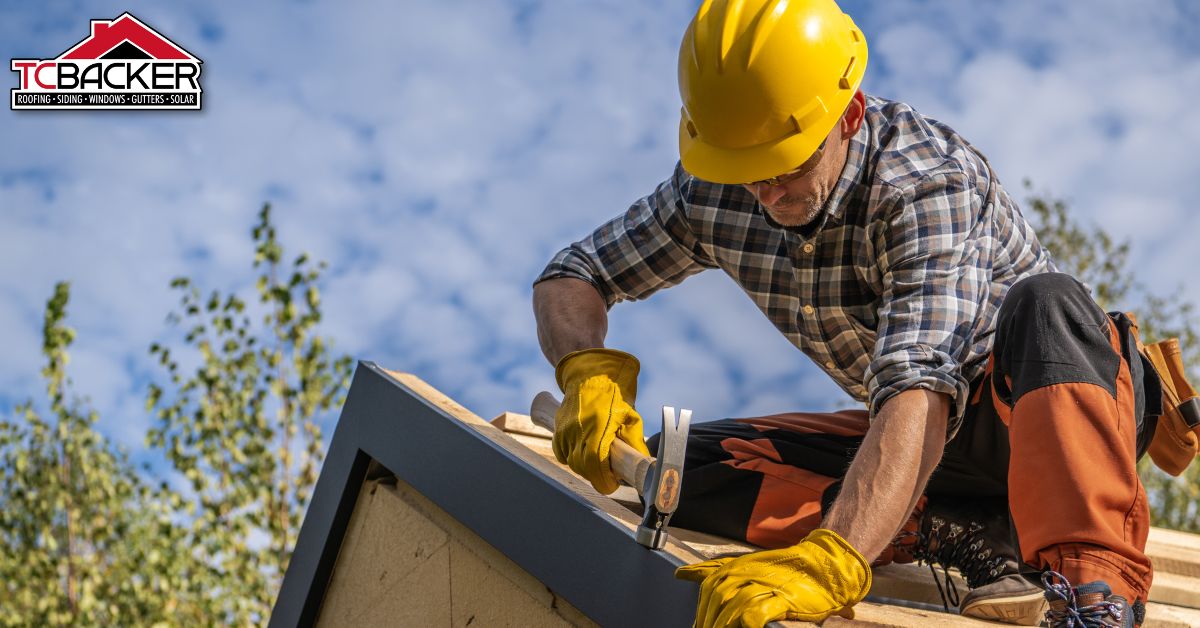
(899,452)
(571,315)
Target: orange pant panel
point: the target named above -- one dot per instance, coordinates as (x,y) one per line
(788,505)
(1075,496)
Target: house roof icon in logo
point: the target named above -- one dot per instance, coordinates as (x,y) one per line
(126,37)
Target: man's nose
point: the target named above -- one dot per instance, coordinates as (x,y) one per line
(768,194)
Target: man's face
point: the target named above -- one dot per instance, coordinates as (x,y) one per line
(800,196)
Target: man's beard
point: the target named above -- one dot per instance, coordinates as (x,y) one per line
(800,211)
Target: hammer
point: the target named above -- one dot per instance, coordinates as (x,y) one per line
(657,480)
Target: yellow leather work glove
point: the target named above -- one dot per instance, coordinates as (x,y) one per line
(819,577)
(599,388)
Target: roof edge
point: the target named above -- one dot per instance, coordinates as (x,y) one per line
(535,522)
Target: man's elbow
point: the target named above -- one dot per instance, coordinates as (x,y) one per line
(937,420)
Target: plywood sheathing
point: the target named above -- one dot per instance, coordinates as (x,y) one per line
(405,562)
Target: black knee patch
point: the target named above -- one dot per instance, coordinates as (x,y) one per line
(1050,331)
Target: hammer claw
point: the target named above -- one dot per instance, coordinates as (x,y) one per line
(661,492)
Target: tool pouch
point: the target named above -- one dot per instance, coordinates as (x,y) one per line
(1177,439)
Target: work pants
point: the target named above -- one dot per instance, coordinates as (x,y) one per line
(1055,425)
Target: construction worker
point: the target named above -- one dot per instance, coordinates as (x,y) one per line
(1004,415)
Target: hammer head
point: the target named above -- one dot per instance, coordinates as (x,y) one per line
(661,491)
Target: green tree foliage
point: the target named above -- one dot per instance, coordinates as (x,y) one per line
(238,420)
(85,540)
(1098,259)
(88,539)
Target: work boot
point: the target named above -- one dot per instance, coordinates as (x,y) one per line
(1091,605)
(975,537)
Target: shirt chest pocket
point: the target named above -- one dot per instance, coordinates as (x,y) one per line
(859,327)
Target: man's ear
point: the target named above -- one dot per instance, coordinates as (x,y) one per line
(852,120)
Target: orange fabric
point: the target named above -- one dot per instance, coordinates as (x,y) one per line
(899,552)
(1082,563)
(841,423)
(788,506)
(1074,493)
(789,502)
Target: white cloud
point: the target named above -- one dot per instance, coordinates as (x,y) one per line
(1090,101)
(437,154)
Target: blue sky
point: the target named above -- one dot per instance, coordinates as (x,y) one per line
(436,154)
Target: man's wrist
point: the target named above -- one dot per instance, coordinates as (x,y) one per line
(619,366)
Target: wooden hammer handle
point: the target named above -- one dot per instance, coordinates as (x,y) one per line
(629,464)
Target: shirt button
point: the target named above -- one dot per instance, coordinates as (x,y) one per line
(808,309)
(829,364)
(808,248)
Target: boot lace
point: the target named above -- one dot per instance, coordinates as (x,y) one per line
(952,546)
(1072,615)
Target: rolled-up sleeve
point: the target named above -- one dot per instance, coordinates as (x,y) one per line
(648,248)
(935,281)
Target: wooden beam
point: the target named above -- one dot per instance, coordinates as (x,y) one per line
(1176,557)
(1174,552)
(514,423)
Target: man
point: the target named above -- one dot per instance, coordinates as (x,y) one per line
(884,247)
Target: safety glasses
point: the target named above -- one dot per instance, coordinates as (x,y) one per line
(808,166)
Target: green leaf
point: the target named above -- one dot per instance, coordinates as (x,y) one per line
(236,426)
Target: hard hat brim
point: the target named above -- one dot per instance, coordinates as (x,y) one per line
(743,165)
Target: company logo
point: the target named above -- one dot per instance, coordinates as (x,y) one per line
(122,64)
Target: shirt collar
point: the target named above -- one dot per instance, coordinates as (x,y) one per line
(856,156)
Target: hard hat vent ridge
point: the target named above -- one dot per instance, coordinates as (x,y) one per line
(767,21)
(737,28)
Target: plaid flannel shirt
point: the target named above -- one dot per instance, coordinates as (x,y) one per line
(896,285)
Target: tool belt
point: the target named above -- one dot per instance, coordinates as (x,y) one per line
(1176,440)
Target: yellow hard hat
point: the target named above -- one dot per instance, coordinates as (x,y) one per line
(763,82)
